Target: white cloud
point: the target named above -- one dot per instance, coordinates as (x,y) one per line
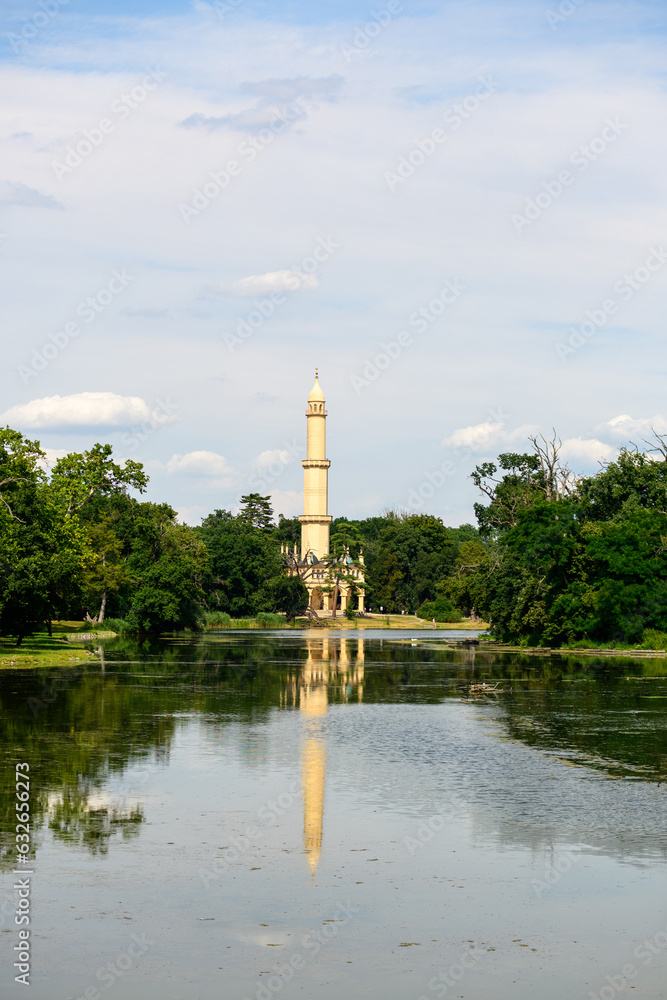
(16,193)
(495,436)
(80,410)
(295,97)
(199,463)
(479,437)
(274,281)
(588,450)
(629,428)
(251,120)
(327,173)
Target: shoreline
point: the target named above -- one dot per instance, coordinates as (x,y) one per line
(492,647)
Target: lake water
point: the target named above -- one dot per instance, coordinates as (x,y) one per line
(331,815)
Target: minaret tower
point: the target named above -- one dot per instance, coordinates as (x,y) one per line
(315,519)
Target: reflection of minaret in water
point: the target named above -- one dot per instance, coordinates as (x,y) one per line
(313,700)
(317,672)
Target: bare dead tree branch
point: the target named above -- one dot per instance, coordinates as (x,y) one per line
(559,480)
(659,444)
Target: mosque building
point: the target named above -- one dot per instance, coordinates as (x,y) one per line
(313,562)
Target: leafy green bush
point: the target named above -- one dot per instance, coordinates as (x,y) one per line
(217,619)
(654,639)
(288,594)
(441,609)
(267,620)
(118,625)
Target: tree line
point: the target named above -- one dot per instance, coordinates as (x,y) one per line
(78,542)
(555,558)
(571,559)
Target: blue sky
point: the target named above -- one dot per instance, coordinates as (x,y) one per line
(454,210)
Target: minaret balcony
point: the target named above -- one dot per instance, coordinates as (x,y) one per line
(316,463)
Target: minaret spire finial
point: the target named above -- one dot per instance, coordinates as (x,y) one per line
(316,373)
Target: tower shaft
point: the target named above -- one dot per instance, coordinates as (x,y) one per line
(315,519)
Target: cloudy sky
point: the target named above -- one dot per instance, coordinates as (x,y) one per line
(455,210)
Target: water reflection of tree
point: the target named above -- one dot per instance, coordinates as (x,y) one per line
(77,819)
(95,727)
(75,738)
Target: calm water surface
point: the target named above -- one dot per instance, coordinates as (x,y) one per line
(259,815)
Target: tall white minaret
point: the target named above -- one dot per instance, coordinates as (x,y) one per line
(315,519)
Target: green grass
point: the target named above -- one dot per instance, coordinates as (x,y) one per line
(216,619)
(652,640)
(41,651)
(264,619)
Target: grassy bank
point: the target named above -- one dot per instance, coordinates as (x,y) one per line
(62,648)
(650,647)
(41,651)
(217,621)
(389,621)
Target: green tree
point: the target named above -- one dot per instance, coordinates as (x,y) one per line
(439,610)
(169,593)
(42,550)
(78,478)
(344,548)
(408,557)
(288,531)
(528,479)
(256,511)
(107,572)
(633,480)
(241,559)
(290,595)
(578,560)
